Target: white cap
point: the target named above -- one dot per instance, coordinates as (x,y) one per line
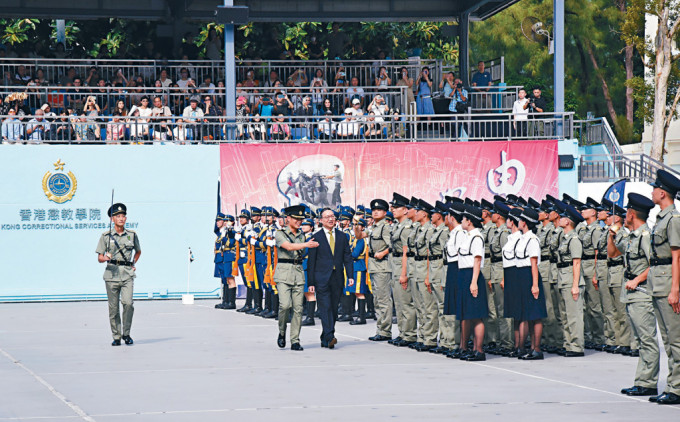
(349,111)
(356,101)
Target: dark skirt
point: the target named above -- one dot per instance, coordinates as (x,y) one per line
(467,306)
(450,288)
(531,309)
(511,293)
(360,284)
(219,270)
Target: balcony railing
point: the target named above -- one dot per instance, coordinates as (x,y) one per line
(192,128)
(609,168)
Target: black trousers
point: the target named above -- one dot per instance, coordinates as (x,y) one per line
(327,299)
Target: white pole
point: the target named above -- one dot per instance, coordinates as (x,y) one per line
(189,270)
(188,299)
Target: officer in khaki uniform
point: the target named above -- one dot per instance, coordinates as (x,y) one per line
(664,278)
(380,271)
(590,234)
(401,285)
(289,277)
(499,329)
(570,281)
(437,272)
(428,315)
(636,250)
(120,249)
(544,234)
(411,269)
(601,276)
(558,304)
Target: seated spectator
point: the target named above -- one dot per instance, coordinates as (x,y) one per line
(40,76)
(354,92)
(64,127)
(280,130)
(348,128)
(320,78)
(76,96)
(250,80)
(340,78)
(180,133)
(326,107)
(162,132)
(318,91)
(242,111)
(257,130)
(160,91)
(91,105)
(213,112)
(120,108)
(383,80)
(326,128)
(144,110)
(207,87)
(35,128)
(115,130)
(165,80)
(372,129)
(177,100)
(85,129)
(283,105)
(138,127)
(192,115)
(273,78)
(22,77)
(101,95)
(520,113)
(299,78)
(12,129)
(185,82)
(378,108)
(357,112)
(50,117)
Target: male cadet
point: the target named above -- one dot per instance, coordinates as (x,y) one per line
(544,233)
(601,277)
(379,270)
(487,231)
(664,278)
(120,249)
(260,260)
(499,329)
(401,288)
(590,234)
(570,281)
(437,270)
(555,241)
(289,276)
(426,304)
(636,250)
(246,226)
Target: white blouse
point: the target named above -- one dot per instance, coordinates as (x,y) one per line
(455,238)
(508,251)
(472,245)
(527,248)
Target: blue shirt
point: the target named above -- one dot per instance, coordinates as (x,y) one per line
(11,129)
(482,79)
(457,98)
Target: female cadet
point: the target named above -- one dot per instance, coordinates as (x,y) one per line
(361,283)
(471,304)
(456,237)
(511,296)
(532,299)
(225,247)
(307,228)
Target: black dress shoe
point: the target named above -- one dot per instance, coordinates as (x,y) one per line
(254,311)
(358,321)
(220,305)
(514,353)
(668,398)
(551,349)
(618,350)
(245,308)
(415,345)
(394,340)
(570,354)
(281,341)
(128,340)
(464,354)
(270,315)
(262,312)
(425,348)
(437,350)
(561,351)
(378,337)
(653,399)
(588,345)
(476,357)
(641,391)
(296,347)
(115,343)
(635,353)
(453,354)
(307,322)
(371,315)
(533,355)
(344,318)
(332,343)
(625,351)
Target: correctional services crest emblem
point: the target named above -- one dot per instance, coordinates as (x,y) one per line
(59,186)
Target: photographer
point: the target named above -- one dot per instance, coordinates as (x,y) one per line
(459,105)
(424,93)
(404,80)
(383,81)
(536,104)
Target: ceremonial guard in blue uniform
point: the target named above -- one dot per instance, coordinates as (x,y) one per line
(241,238)
(362,285)
(225,255)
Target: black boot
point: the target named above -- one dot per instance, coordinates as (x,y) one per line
(267,303)
(310,314)
(274,308)
(249,301)
(361,319)
(370,309)
(231,303)
(225,299)
(346,310)
(257,302)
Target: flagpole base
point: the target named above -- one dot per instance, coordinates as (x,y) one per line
(187,299)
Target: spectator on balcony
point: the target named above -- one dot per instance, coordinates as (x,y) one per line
(424,93)
(120,108)
(356,110)
(162,132)
(50,118)
(160,91)
(459,105)
(348,128)
(536,104)
(93,77)
(372,128)
(76,96)
(340,78)
(315,49)
(90,106)
(12,129)
(40,76)
(177,100)
(295,94)
(378,64)
(189,47)
(280,130)
(520,114)
(85,129)
(192,115)
(446,84)
(354,92)
(283,105)
(326,107)
(135,93)
(22,77)
(165,80)
(145,110)
(305,111)
(101,95)
(213,46)
(481,81)
(60,51)
(319,80)
(137,126)
(337,42)
(180,133)
(206,87)
(242,112)
(250,81)
(257,130)
(64,127)
(115,130)
(405,80)
(383,82)
(213,112)
(273,79)
(185,82)
(326,128)
(299,78)
(265,108)
(378,108)
(318,92)
(396,129)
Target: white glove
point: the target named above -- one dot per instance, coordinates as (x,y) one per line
(270,242)
(253,241)
(237,236)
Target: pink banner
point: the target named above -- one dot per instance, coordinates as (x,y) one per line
(283,174)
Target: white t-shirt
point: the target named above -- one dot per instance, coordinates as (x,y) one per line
(519,111)
(326,127)
(508,251)
(346,128)
(455,238)
(354,90)
(472,245)
(527,248)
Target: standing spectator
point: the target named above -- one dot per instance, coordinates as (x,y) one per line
(185,82)
(315,50)
(405,80)
(354,92)
(50,126)
(115,130)
(207,87)
(93,77)
(11,128)
(424,93)
(520,114)
(340,78)
(383,81)
(283,105)
(213,46)
(280,130)
(257,130)
(35,129)
(536,104)
(299,78)
(446,84)
(481,81)
(306,111)
(213,111)
(191,115)
(318,91)
(459,105)
(337,42)
(250,81)
(242,111)
(319,77)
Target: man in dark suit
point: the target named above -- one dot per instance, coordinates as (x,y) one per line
(326,268)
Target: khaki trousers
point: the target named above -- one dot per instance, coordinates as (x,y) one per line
(643,324)
(382,302)
(120,291)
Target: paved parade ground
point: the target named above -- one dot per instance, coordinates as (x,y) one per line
(196,363)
